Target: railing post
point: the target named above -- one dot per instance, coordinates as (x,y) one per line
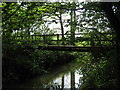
(57,39)
(44,39)
(32,37)
(35,37)
(17,37)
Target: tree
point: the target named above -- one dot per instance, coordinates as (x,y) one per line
(112,11)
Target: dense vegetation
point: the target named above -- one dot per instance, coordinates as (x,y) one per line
(22,23)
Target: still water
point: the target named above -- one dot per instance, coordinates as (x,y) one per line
(62,77)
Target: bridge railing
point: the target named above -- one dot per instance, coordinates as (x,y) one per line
(57,38)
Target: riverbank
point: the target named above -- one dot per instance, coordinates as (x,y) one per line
(23,64)
(53,78)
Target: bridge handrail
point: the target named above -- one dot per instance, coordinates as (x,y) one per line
(58,39)
(56,34)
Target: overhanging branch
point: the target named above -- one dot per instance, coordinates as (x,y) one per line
(13,13)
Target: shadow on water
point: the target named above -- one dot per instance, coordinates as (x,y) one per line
(63,77)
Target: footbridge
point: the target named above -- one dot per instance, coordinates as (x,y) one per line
(56,42)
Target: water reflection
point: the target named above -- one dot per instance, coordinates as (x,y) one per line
(67,76)
(70,80)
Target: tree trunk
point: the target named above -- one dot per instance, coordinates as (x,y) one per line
(62,29)
(113,19)
(72,38)
(115,22)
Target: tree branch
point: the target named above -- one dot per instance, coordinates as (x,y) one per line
(13,13)
(107,7)
(101,34)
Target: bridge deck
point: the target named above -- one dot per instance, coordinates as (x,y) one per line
(73,48)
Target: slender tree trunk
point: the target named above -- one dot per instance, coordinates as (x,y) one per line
(73,24)
(72,28)
(62,29)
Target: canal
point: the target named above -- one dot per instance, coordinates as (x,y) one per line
(63,77)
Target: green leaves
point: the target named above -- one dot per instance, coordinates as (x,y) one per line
(2,5)
(41,9)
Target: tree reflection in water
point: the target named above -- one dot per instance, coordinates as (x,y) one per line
(71,80)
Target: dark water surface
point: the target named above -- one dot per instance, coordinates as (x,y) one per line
(62,77)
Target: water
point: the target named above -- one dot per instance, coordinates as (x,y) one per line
(64,81)
(63,77)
